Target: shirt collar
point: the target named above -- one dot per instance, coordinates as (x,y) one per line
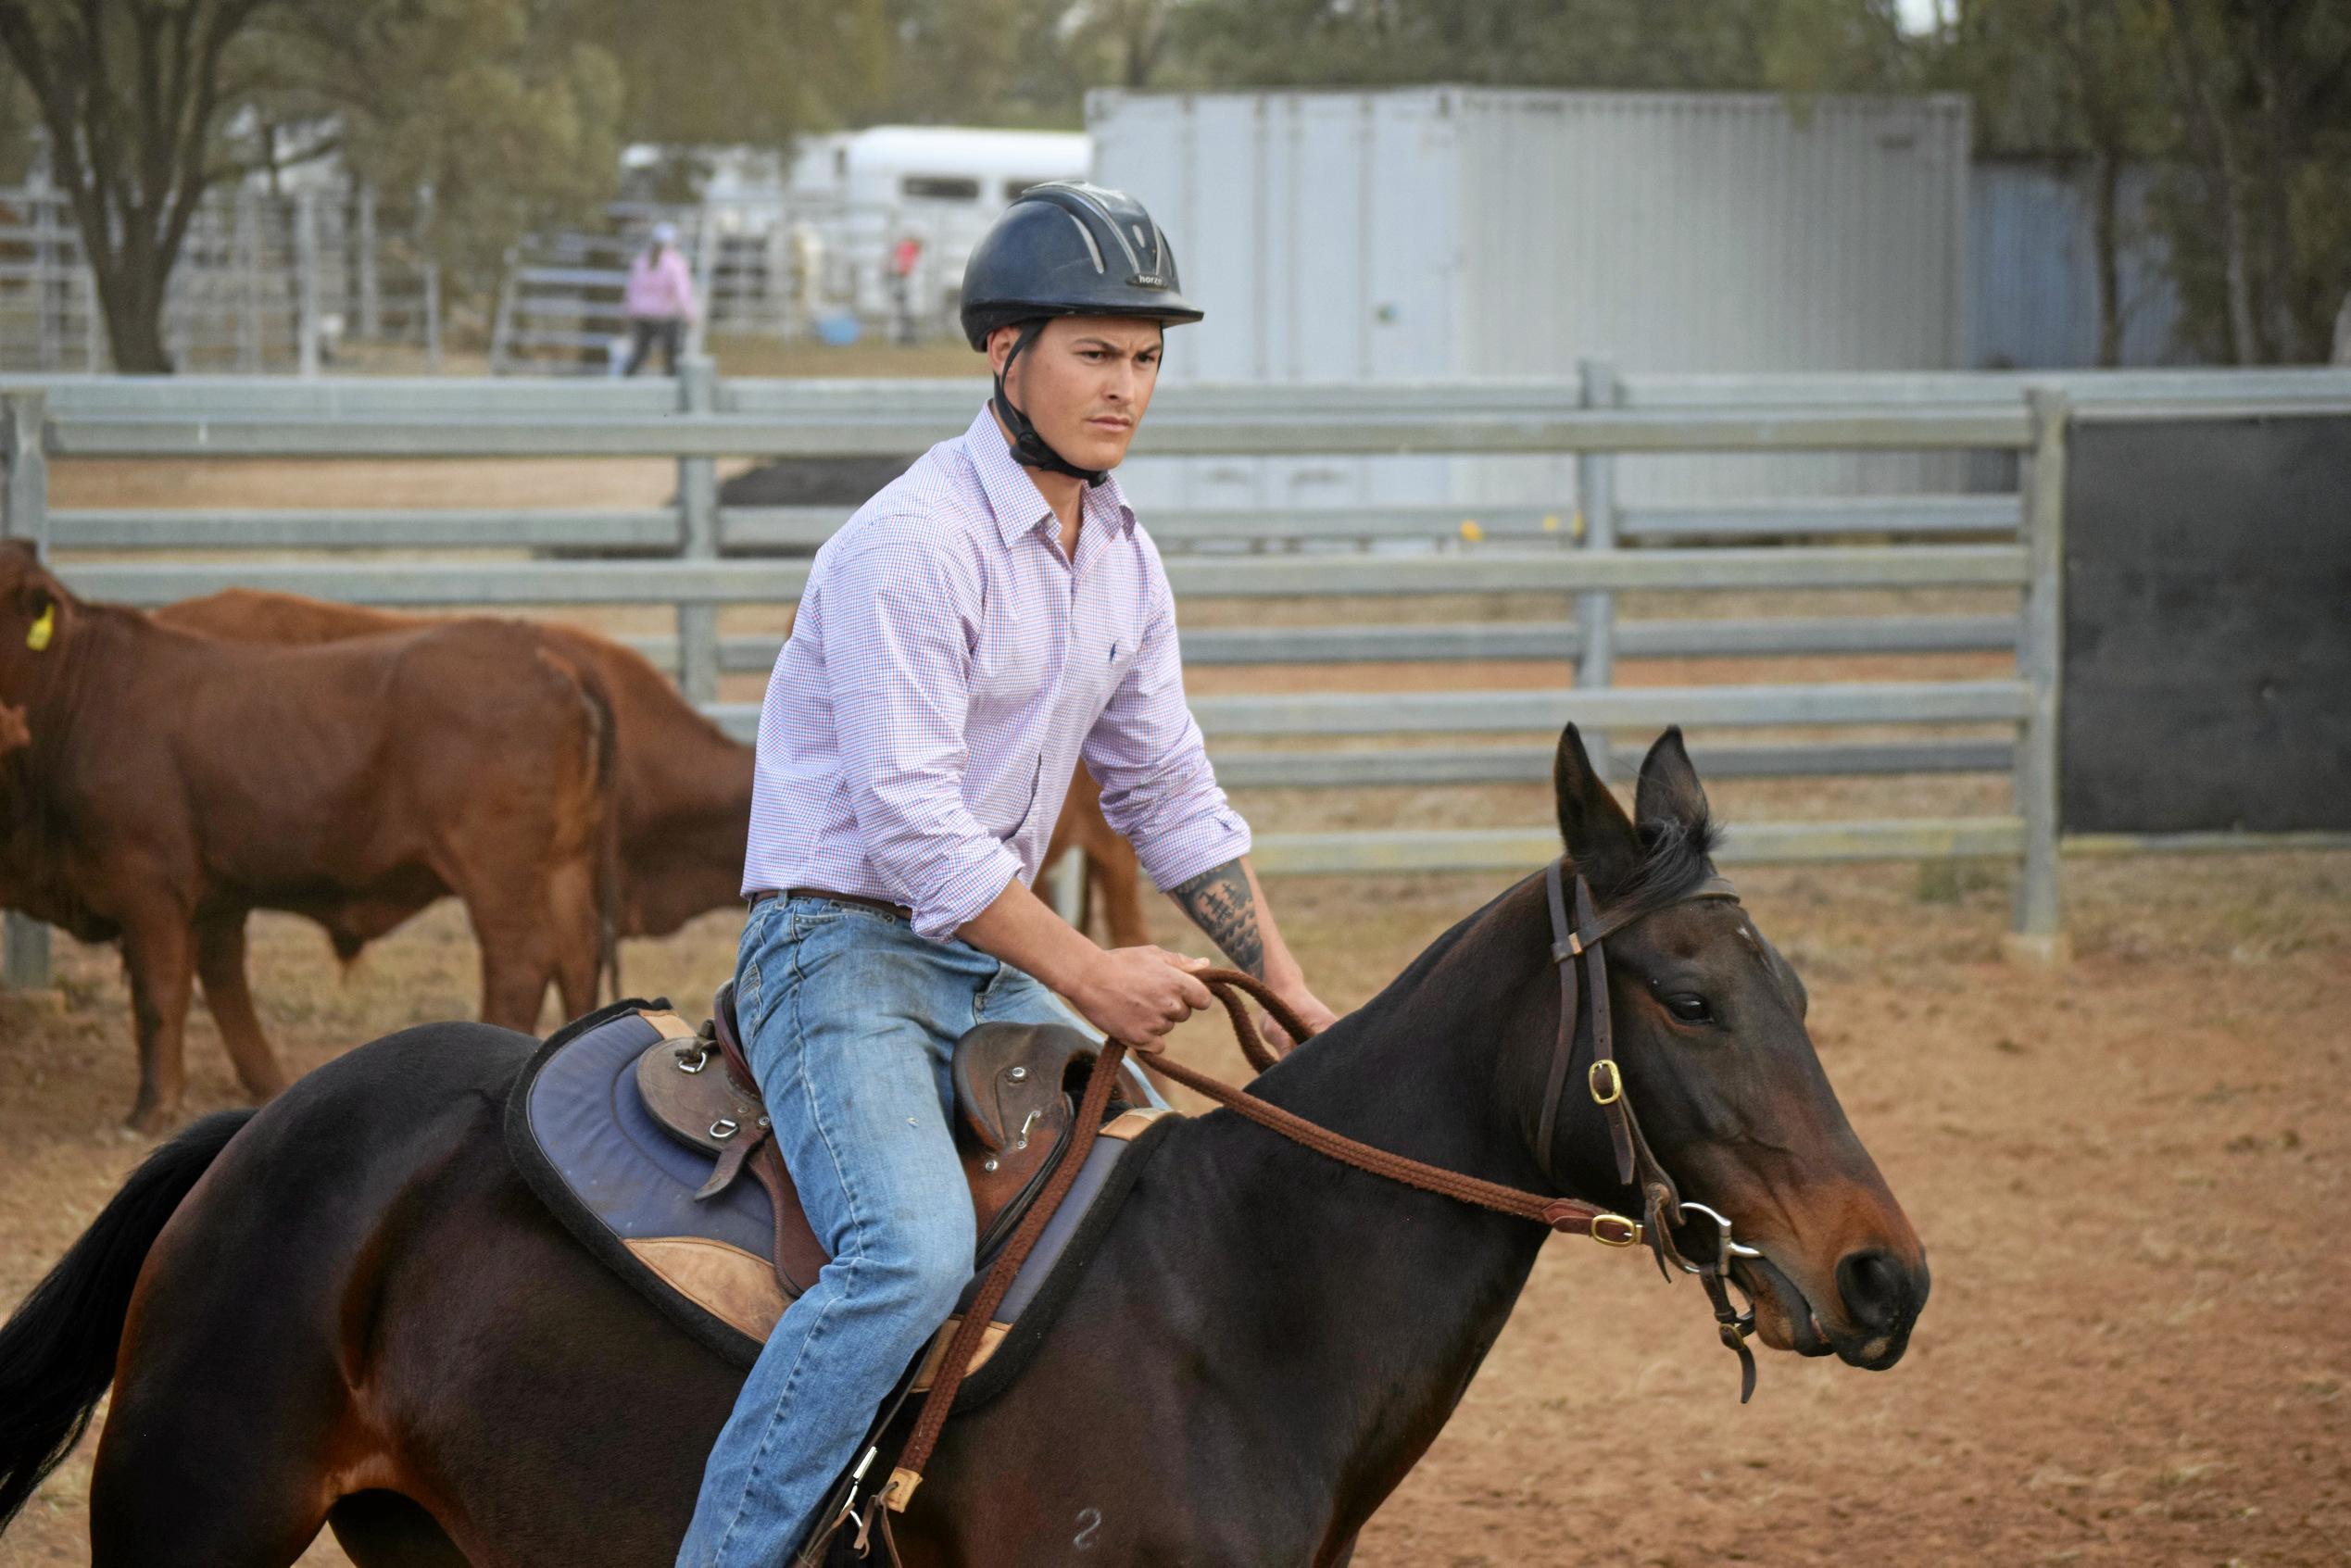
(1017,505)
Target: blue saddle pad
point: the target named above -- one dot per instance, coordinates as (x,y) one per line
(579,1133)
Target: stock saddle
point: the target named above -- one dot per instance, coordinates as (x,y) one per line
(639,1131)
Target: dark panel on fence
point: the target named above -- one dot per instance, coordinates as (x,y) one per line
(2208,661)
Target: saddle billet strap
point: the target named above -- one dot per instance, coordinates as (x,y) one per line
(898,1490)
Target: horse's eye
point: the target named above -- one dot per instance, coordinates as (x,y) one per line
(1689,1006)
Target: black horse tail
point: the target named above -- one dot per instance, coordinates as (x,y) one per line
(57,1351)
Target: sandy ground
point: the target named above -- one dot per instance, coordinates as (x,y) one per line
(2125,1171)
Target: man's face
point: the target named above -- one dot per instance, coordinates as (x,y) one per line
(1084,384)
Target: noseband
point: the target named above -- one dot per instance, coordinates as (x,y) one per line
(1582,944)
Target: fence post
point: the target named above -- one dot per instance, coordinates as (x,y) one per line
(2040,928)
(1596,506)
(50,309)
(249,246)
(24,514)
(432,279)
(24,511)
(368,266)
(697,655)
(1065,886)
(93,351)
(307,326)
(706,249)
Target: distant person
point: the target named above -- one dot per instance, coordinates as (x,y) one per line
(904,257)
(660,301)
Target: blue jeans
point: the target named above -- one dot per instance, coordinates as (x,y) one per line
(850,1021)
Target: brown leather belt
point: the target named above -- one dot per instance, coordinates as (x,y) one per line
(900,910)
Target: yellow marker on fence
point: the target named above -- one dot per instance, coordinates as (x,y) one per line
(1550,522)
(37,638)
(1470,531)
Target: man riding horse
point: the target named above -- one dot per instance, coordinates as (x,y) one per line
(992,616)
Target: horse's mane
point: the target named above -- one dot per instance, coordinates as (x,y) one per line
(1676,854)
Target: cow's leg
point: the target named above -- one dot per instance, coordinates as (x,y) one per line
(576,926)
(219,956)
(517,953)
(1111,865)
(156,952)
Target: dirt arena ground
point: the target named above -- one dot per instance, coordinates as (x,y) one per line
(2126,1171)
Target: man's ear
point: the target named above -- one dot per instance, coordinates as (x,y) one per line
(1000,348)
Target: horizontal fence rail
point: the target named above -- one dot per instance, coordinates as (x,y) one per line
(1487,641)
(697,555)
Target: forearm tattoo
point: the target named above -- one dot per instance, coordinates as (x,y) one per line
(1220,903)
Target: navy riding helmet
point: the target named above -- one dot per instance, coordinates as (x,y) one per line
(1067,248)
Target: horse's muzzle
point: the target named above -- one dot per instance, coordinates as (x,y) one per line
(1878,1300)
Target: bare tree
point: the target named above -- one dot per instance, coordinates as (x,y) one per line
(131,93)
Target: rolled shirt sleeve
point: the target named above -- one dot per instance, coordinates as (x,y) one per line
(899,614)
(1159,790)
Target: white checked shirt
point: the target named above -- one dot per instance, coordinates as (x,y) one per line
(948,665)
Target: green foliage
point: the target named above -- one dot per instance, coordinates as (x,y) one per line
(1806,45)
(984,62)
(716,72)
(2247,104)
(510,122)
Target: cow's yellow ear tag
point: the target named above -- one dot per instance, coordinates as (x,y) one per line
(37,639)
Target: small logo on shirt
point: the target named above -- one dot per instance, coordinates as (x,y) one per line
(1113,657)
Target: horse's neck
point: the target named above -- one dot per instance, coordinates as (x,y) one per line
(1381,1299)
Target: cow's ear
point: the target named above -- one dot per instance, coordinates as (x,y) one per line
(43,610)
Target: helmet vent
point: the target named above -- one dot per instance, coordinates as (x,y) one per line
(1087,235)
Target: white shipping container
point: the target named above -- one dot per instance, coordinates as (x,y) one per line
(1444,231)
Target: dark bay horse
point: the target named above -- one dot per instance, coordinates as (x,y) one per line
(346,1309)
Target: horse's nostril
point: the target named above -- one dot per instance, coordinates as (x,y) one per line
(1873,1287)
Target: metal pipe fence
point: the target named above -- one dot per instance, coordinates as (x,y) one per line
(693,555)
(264,282)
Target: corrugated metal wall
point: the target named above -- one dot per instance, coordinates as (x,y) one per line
(2032,261)
(1717,232)
(1712,231)
(1317,231)
(1435,232)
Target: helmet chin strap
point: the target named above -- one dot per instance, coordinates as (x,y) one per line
(1029,450)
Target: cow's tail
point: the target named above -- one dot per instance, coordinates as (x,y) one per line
(607,833)
(57,1351)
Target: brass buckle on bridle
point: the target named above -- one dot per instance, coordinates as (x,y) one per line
(1615,1090)
(1621,1232)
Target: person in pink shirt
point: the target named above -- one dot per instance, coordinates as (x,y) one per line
(658,302)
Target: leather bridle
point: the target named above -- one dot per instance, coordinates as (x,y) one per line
(1581,944)
(1577,945)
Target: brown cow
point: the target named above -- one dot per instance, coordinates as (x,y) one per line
(174,783)
(685,786)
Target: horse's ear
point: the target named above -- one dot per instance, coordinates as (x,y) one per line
(1598,836)
(1669,790)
